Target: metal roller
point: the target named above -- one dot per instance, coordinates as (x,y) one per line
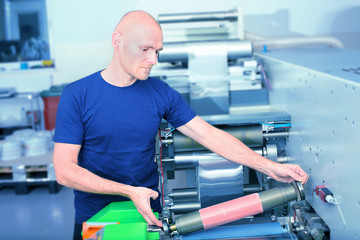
(188,160)
(252,136)
(236,209)
(179,51)
(183,193)
(185,207)
(191,159)
(276,135)
(198,17)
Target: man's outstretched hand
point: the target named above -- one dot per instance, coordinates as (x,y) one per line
(288,173)
(141,198)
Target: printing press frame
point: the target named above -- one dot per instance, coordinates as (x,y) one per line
(295,91)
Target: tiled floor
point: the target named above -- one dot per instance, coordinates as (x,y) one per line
(37,215)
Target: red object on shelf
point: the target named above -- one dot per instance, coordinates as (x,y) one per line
(50,109)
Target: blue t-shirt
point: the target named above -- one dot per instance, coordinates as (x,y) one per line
(116,128)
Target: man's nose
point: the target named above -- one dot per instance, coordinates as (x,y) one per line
(152,57)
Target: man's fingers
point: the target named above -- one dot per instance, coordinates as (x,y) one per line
(154,220)
(303,176)
(154,195)
(143,205)
(299,175)
(150,218)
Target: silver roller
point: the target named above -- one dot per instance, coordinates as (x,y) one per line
(192,159)
(198,17)
(276,134)
(179,51)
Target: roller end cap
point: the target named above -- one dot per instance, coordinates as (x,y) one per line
(300,193)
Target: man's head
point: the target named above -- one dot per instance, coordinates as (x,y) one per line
(137,39)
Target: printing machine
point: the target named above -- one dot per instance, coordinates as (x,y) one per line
(289,105)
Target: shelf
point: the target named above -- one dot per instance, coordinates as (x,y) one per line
(29,160)
(21,110)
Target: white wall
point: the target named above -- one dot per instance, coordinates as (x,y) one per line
(80,31)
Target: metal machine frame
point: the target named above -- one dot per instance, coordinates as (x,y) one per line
(303,115)
(318,88)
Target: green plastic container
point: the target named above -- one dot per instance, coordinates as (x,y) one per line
(132,224)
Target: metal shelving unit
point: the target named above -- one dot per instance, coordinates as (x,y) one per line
(26,171)
(27,103)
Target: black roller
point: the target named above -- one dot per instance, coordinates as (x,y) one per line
(252,136)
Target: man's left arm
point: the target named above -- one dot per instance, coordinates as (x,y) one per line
(230,148)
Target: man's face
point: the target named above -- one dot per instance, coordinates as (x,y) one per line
(140,51)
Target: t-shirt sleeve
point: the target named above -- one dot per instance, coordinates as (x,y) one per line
(69,126)
(179,112)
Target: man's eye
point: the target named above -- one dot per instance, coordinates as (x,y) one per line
(144,49)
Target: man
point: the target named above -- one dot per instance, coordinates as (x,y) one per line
(107,122)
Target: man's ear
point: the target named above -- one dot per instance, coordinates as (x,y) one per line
(117,38)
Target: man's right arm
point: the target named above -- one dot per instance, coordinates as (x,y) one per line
(70,174)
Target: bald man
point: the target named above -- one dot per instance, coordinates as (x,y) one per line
(107,122)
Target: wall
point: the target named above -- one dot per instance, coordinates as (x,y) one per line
(80,31)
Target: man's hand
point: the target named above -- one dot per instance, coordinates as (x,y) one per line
(141,198)
(288,173)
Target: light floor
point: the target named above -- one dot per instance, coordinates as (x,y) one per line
(37,215)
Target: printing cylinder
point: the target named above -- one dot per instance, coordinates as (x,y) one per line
(179,51)
(236,209)
(252,136)
(277,197)
(187,223)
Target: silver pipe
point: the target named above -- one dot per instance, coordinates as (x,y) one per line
(198,17)
(179,51)
(283,159)
(166,141)
(297,42)
(258,151)
(276,134)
